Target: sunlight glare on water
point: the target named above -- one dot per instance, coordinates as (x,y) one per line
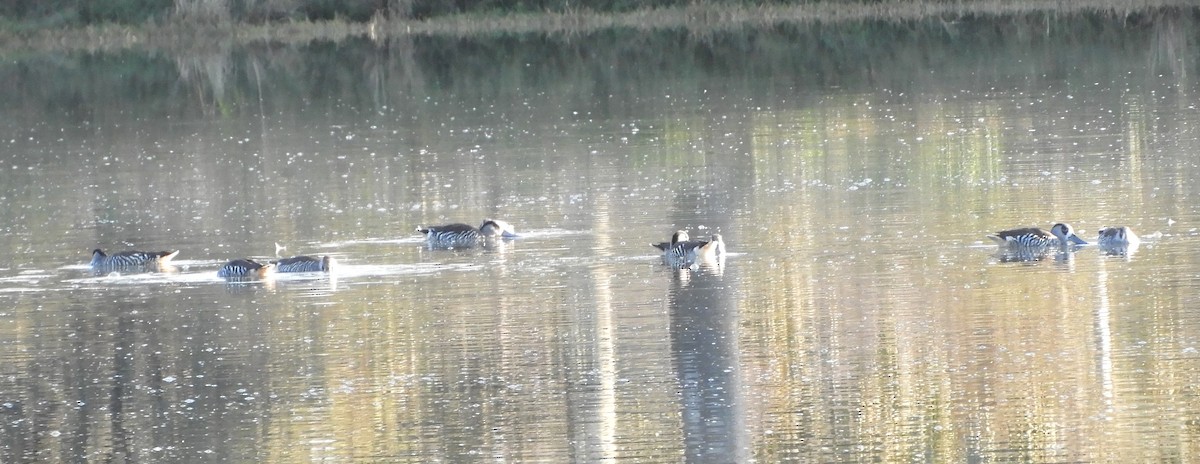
(860,313)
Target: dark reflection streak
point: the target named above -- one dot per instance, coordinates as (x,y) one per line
(704,342)
(123,373)
(1169,41)
(375,71)
(30,402)
(156,387)
(12,421)
(263,135)
(76,377)
(703,319)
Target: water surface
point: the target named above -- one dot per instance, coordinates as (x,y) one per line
(860,316)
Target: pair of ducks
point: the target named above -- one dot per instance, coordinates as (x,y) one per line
(682,251)
(448,236)
(1063,236)
(245,267)
(236,268)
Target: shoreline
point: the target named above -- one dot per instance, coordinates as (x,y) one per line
(698,18)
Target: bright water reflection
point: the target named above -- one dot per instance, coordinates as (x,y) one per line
(859,317)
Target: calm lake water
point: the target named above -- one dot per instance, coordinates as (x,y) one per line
(860,316)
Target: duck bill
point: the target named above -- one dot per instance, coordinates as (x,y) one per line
(1076,240)
(507,234)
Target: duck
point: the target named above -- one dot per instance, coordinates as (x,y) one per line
(466,236)
(304,264)
(690,251)
(1060,235)
(131,258)
(245,268)
(1117,237)
(678,236)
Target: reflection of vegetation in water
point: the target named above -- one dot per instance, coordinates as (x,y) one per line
(56,12)
(726,94)
(203,22)
(606,72)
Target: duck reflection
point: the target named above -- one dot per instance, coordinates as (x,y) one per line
(318,285)
(248,285)
(1061,257)
(160,268)
(684,269)
(703,328)
(489,247)
(1120,251)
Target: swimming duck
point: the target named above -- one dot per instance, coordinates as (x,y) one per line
(245,268)
(466,236)
(1061,235)
(1117,237)
(304,264)
(690,251)
(678,236)
(131,258)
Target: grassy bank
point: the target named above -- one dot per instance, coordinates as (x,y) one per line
(697,18)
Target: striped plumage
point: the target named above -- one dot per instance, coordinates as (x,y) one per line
(691,251)
(304,264)
(1117,237)
(1061,235)
(131,258)
(466,236)
(244,268)
(678,236)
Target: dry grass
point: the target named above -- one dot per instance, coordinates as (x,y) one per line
(699,18)
(703,17)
